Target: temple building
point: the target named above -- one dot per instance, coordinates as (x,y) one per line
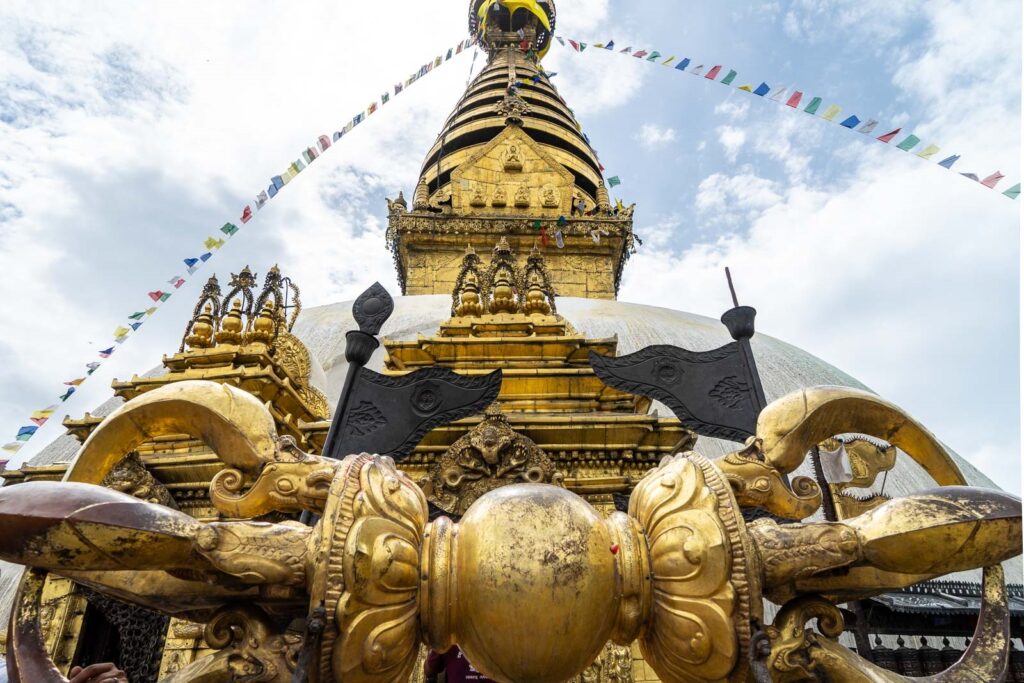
(509,257)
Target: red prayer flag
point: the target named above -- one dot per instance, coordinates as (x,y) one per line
(713,74)
(155,296)
(575,45)
(39,420)
(993,179)
(179,282)
(544,236)
(889,136)
(246,214)
(794,99)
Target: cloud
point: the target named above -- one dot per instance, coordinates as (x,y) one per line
(732,140)
(733,109)
(731,198)
(652,136)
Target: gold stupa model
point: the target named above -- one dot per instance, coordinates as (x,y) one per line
(203,496)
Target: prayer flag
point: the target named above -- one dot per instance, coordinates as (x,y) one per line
(812,108)
(449,55)
(596,236)
(165,296)
(669,60)
(325,142)
(177,282)
(151,311)
(135,327)
(1013,192)
(192,270)
(213,243)
(155,296)
(122,331)
(625,51)
(48,410)
(231,229)
(640,54)
(654,55)
(749,88)
(928,152)
(562,42)
(357,119)
(696,71)
(762,89)
(851,122)
(278,182)
(778,93)
(683,63)
(39,421)
(205,257)
(92,366)
(76,382)
(106,353)
(12,447)
(972,176)
(831,112)
(67,394)
(385,98)
(298,166)
(191,262)
(729,78)
(398,88)
(137,316)
(713,72)
(272,191)
(609,45)
(437,61)
(613,181)
(559,239)
(575,45)
(458,48)
(794,99)
(909,143)
(289,175)
(536,225)
(887,138)
(993,180)
(25,433)
(261,199)
(868,127)
(468,43)
(544,236)
(583,46)
(307,156)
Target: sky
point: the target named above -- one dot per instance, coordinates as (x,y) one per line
(129,132)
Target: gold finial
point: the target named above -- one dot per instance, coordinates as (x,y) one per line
(604,202)
(501,280)
(265,324)
(539,298)
(231,327)
(201,335)
(421,200)
(466,300)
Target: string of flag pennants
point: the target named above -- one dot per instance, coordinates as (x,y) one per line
(212,244)
(796,99)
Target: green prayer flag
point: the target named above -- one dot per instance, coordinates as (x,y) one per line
(910,143)
(165,297)
(812,108)
(229,229)
(536,225)
(1013,192)
(613,181)
(583,46)
(730,77)
(654,55)
(137,316)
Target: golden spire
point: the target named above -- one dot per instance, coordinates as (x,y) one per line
(232,326)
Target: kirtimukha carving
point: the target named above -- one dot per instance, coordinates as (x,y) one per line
(373,580)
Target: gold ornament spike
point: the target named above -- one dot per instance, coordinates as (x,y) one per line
(232,422)
(200,335)
(790,426)
(232,327)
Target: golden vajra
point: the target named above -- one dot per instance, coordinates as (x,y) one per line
(532,582)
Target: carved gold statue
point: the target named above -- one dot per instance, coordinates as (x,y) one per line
(531,583)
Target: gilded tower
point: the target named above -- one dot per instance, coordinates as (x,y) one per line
(512,162)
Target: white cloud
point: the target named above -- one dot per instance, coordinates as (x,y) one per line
(732,140)
(731,198)
(732,109)
(651,135)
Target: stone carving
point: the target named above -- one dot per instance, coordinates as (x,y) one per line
(522,198)
(513,157)
(131,477)
(490,456)
(500,197)
(550,197)
(478,199)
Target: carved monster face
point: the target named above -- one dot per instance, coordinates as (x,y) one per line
(489,442)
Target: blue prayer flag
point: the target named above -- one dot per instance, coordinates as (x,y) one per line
(135,326)
(27,431)
(191,262)
(610,45)
(762,89)
(949,161)
(205,257)
(277,181)
(683,64)
(850,122)
(337,135)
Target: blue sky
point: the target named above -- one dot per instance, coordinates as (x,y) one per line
(128,133)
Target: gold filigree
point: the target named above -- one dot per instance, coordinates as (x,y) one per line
(489,456)
(257,552)
(790,660)
(285,487)
(699,626)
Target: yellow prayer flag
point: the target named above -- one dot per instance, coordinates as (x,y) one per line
(287,176)
(928,152)
(831,112)
(42,413)
(121,332)
(151,311)
(748,88)
(669,60)
(212,243)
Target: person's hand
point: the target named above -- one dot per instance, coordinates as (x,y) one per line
(98,673)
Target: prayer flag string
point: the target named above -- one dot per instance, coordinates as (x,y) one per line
(212,244)
(795,98)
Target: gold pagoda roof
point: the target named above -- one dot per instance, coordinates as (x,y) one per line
(487,108)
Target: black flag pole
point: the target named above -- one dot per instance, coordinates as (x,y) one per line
(739,320)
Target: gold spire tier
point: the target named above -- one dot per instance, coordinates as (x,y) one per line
(512,162)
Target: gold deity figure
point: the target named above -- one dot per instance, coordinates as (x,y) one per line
(531,583)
